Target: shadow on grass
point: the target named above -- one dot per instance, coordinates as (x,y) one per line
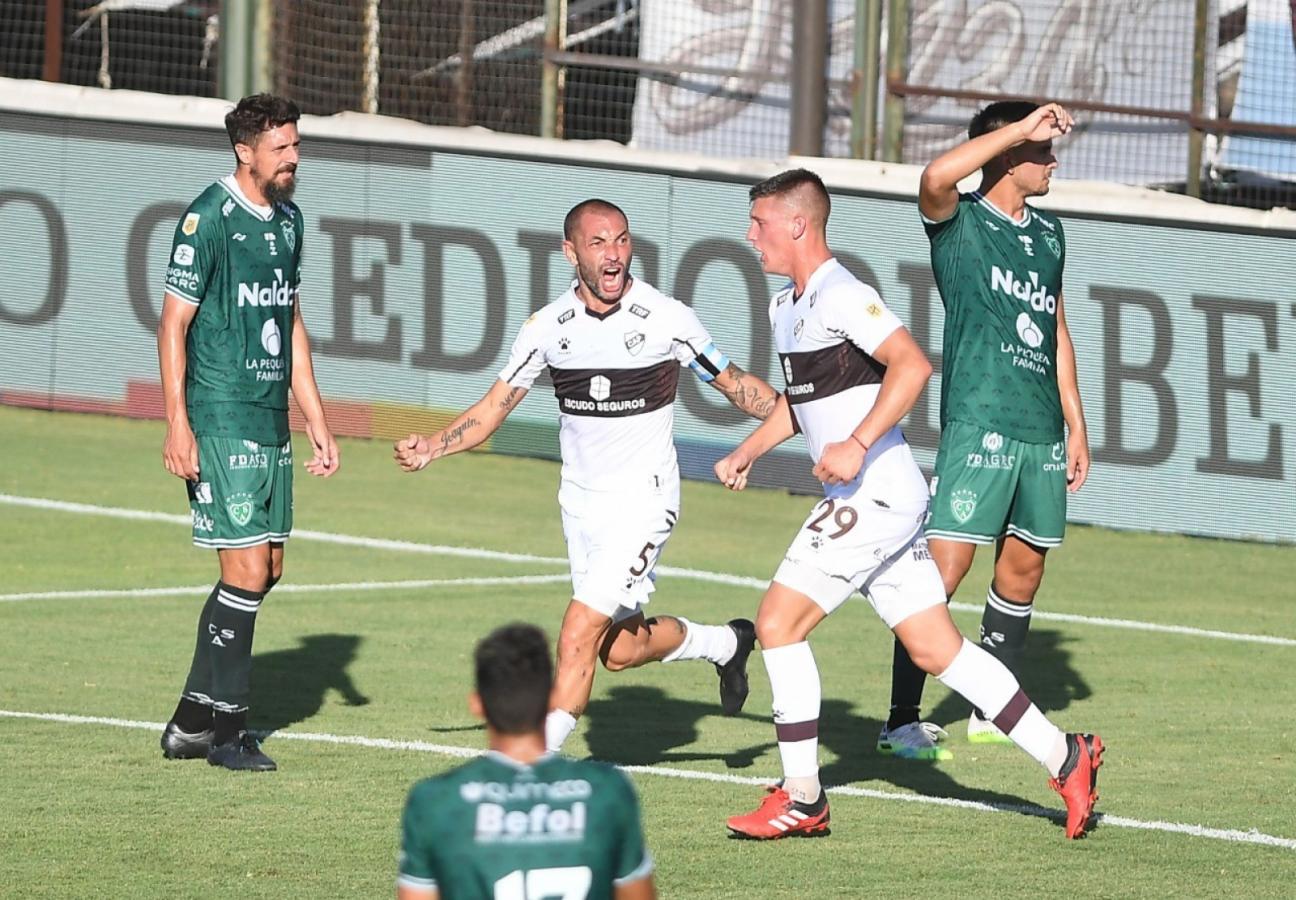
(641,726)
(288,686)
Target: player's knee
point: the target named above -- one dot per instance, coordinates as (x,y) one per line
(775,629)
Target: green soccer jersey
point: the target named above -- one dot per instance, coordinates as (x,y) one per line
(1000,281)
(240,264)
(499,829)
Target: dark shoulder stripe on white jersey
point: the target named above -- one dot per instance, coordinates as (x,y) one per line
(815,374)
(615,392)
(523,365)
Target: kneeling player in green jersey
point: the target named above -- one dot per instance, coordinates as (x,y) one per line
(521,822)
(1008,385)
(231,343)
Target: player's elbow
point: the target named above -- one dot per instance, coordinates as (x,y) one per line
(919,367)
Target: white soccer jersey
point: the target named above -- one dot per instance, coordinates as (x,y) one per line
(824,339)
(615,376)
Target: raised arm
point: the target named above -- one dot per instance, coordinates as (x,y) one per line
(474,425)
(1072,409)
(179,449)
(938,187)
(746,391)
(325,458)
(907,373)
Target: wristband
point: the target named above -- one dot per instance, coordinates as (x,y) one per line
(858,441)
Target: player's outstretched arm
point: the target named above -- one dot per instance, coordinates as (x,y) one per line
(777,428)
(325,459)
(938,187)
(746,391)
(179,449)
(907,373)
(1072,409)
(474,425)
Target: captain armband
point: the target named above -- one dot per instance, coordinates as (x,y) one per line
(709,363)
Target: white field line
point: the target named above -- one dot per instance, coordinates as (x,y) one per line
(668,571)
(1233,835)
(291,588)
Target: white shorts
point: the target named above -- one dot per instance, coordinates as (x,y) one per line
(853,544)
(613,544)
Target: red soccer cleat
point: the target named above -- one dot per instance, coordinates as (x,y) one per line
(780,816)
(1078,781)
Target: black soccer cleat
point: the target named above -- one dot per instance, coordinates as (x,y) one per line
(178,744)
(733,674)
(243,754)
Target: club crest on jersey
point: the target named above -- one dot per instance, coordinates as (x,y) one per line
(798,328)
(290,234)
(963,504)
(634,342)
(1052,243)
(190,225)
(636,309)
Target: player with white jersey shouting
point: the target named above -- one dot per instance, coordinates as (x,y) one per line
(852,372)
(613,346)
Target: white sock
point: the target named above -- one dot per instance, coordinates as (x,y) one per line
(988,685)
(794,682)
(714,643)
(558,725)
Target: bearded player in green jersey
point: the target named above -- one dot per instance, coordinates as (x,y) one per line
(520,822)
(231,343)
(1008,385)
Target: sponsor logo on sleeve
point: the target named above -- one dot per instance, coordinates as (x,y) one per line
(184,255)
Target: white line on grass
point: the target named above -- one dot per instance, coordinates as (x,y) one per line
(668,571)
(1220,834)
(291,588)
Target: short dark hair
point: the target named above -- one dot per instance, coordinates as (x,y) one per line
(594,204)
(999,114)
(514,676)
(257,113)
(789,181)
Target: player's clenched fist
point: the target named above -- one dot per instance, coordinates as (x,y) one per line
(413,453)
(733,469)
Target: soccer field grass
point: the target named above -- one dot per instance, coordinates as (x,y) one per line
(361,673)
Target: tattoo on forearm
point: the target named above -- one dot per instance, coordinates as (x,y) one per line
(508,402)
(452,437)
(748,393)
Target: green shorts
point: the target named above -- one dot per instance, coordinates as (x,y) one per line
(986,485)
(244,497)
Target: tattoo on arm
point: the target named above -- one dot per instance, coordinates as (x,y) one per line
(509,401)
(453,436)
(748,393)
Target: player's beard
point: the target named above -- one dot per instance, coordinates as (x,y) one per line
(276,191)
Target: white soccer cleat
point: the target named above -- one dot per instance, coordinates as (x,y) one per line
(981,731)
(917,740)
